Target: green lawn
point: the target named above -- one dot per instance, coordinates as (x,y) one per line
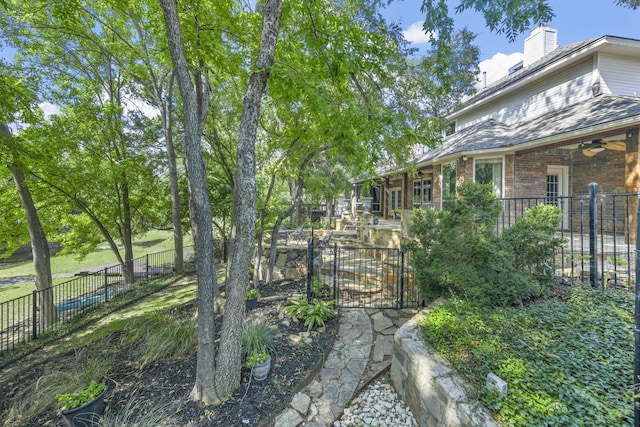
(152,242)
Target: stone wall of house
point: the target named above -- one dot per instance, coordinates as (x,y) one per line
(433,391)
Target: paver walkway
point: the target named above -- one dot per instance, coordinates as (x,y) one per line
(362,350)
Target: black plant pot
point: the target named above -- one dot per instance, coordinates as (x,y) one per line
(251,303)
(86,415)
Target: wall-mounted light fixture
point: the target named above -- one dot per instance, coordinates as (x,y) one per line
(463,158)
(419,173)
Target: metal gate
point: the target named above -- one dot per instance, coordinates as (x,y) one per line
(363,277)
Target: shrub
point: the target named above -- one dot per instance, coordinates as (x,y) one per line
(314,314)
(318,288)
(457,250)
(257,337)
(532,240)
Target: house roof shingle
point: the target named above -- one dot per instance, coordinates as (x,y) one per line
(556,54)
(493,135)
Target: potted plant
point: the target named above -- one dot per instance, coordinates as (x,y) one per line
(252,298)
(259,362)
(257,341)
(84,407)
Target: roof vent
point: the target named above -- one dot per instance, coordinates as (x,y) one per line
(540,42)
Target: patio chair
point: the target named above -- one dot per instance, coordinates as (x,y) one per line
(324,242)
(298,236)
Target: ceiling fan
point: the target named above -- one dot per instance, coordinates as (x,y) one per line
(592,148)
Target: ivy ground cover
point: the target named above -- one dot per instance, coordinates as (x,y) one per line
(567,361)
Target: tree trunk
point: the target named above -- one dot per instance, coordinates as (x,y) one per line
(200,210)
(39,249)
(39,246)
(273,250)
(329,212)
(244,206)
(176,219)
(257,264)
(127,238)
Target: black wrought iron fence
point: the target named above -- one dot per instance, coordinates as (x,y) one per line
(598,230)
(23,318)
(362,276)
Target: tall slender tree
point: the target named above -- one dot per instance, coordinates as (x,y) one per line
(19,105)
(216,383)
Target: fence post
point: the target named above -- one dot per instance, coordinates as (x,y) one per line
(106,285)
(146,274)
(309,265)
(335,272)
(401,280)
(593,231)
(34,314)
(636,361)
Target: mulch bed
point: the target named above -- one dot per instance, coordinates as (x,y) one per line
(166,385)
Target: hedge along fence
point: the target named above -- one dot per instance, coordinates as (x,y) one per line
(24,318)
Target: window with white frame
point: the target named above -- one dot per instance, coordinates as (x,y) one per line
(490,171)
(421,193)
(449,179)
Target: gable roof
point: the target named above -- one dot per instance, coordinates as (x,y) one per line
(556,54)
(608,111)
(560,55)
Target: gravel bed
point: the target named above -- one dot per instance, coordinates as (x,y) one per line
(378,405)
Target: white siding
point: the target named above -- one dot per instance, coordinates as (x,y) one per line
(557,91)
(620,75)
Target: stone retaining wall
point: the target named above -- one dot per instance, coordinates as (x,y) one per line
(426,382)
(291,262)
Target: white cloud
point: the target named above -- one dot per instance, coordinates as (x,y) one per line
(497,67)
(49,109)
(415,33)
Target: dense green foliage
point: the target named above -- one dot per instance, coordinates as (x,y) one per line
(314,313)
(74,400)
(458,251)
(318,288)
(566,363)
(257,338)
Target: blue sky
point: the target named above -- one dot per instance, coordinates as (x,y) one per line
(575,21)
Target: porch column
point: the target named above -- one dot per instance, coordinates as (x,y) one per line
(632,175)
(353,200)
(385,198)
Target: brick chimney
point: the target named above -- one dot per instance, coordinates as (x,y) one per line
(540,42)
